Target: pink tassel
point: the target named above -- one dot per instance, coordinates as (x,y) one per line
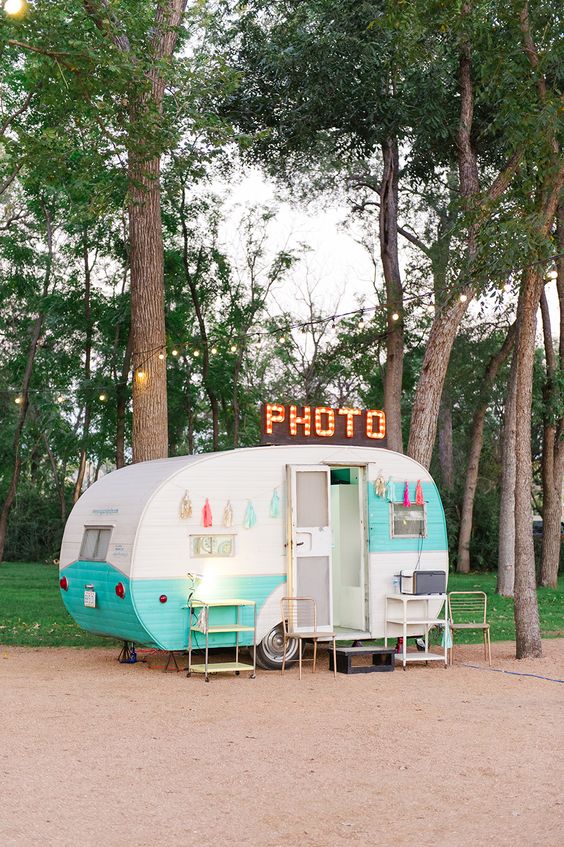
(207,514)
(419,494)
(406,500)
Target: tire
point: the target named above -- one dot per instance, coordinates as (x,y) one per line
(270,650)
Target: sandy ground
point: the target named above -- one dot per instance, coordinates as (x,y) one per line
(102,754)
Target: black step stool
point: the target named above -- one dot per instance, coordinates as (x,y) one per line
(383,659)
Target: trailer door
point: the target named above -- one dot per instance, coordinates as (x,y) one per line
(309,538)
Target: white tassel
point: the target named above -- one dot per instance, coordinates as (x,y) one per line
(185,507)
(228,514)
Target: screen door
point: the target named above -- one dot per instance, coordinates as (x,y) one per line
(310,538)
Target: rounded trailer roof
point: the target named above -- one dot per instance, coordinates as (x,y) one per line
(136,483)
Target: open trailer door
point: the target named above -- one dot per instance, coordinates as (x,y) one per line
(309,537)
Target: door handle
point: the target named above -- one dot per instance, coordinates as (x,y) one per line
(300,544)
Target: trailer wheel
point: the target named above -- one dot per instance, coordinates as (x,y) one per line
(270,650)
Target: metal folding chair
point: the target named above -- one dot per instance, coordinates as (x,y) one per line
(468,610)
(299,621)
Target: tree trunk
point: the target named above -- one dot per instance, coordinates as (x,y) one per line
(87,357)
(121,405)
(24,405)
(429,390)
(552,452)
(150,415)
(446,457)
(506,549)
(476,442)
(527,625)
(393,373)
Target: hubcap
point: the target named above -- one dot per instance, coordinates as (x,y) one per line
(273,645)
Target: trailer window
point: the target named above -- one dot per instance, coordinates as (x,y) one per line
(204,546)
(95,543)
(407,521)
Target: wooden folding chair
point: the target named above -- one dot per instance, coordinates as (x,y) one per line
(468,610)
(299,621)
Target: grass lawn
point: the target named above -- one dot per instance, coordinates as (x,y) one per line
(32,612)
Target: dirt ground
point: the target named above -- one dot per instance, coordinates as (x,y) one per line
(102,754)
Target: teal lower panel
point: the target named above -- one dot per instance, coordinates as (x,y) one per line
(113,615)
(141,617)
(167,623)
(379,535)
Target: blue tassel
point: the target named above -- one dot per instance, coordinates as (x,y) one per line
(250,518)
(275,504)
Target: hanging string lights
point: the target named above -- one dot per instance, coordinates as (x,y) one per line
(357,320)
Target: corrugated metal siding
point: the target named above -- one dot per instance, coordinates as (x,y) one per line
(379,537)
(167,623)
(112,616)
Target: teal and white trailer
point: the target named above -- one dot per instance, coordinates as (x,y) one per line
(254,524)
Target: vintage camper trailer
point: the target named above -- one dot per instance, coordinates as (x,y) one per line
(322,520)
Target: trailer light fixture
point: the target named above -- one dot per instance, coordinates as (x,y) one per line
(64,583)
(163,598)
(120,590)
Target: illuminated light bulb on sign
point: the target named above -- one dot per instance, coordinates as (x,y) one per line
(304,420)
(324,431)
(274,413)
(350,415)
(15,7)
(378,431)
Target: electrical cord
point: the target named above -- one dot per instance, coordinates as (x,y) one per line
(511,673)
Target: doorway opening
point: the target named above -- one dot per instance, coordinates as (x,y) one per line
(348,549)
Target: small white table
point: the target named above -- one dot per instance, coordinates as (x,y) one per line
(411,613)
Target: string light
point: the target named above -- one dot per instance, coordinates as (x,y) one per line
(196,353)
(213,351)
(15,7)
(233,348)
(174,352)
(60,398)
(103,397)
(463,298)
(507,287)
(282,339)
(141,375)
(161,356)
(395,316)
(18,401)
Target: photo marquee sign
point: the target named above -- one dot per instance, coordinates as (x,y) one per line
(322,424)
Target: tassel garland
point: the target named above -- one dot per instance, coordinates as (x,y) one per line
(380,486)
(250,518)
(228,514)
(419,494)
(207,514)
(275,504)
(390,491)
(406,500)
(185,507)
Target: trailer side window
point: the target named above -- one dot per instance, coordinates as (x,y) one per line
(95,543)
(407,521)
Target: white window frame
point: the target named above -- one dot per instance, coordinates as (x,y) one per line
(98,528)
(393,514)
